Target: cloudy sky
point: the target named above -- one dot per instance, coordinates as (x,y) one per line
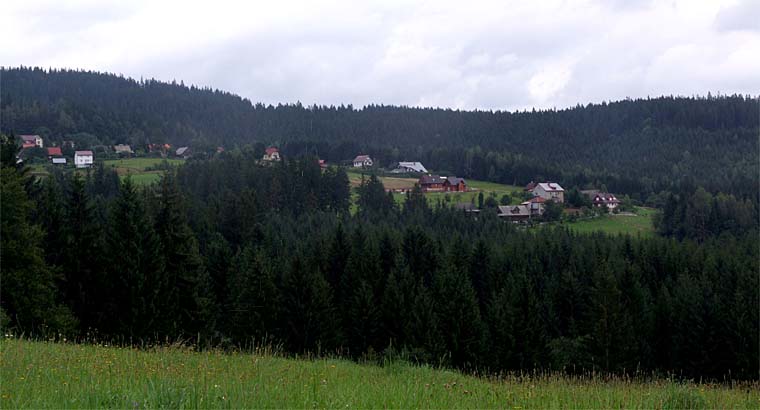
(469,54)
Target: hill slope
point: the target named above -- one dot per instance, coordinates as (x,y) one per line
(634,145)
(48,375)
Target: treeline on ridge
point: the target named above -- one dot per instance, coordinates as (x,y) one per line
(637,147)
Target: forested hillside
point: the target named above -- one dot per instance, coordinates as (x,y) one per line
(226,252)
(636,147)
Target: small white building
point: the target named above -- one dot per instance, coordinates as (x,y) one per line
(59,160)
(406,167)
(362,161)
(31,139)
(83,159)
(550,191)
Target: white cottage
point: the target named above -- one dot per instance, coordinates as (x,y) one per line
(550,191)
(83,159)
(362,161)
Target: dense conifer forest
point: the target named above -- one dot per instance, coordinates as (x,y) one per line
(225,251)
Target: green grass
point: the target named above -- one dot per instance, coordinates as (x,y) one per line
(49,375)
(641,224)
(137,168)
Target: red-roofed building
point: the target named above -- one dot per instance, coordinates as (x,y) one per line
(271,154)
(54,152)
(35,140)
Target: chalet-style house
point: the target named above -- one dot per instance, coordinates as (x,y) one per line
(606,200)
(550,191)
(83,159)
(54,152)
(431,183)
(123,149)
(535,205)
(515,213)
(30,141)
(408,167)
(362,161)
(183,152)
(271,154)
(454,184)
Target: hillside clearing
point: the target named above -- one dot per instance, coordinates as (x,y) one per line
(50,375)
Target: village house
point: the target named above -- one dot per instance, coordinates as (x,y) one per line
(431,183)
(54,152)
(467,207)
(123,149)
(183,152)
(30,141)
(535,205)
(83,159)
(605,199)
(454,184)
(408,167)
(550,191)
(271,154)
(362,161)
(322,164)
(515,213)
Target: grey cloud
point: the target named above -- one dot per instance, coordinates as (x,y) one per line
(744,15)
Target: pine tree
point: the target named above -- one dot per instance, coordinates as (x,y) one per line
(186,299)
(136,276)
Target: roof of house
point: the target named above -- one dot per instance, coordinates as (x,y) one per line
(59,160)
(415,166)
(550,187)
(535,200)
(514,210)
(28,138)
(28,145)
(362,158)
(467,207)
(54,151)
(455,180)
(122,148)
(83,153)
(530,186)
(271,150)
(182,150)
(431,179)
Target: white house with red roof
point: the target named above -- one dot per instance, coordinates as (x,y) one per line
(271,154)
(362,161)
(29,141)
(83,159)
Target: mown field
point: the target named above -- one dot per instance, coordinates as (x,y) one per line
(639,224)
(46,375)
(142,170)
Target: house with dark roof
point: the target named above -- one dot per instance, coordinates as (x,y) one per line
(123,149)
(454,184)
(515,213)
(605,200)
(362,161)
(431,183)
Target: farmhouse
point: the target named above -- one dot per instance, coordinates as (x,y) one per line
(183,152)
(123,149)
(83,159)
(406,167)
(454,184)
(550,191)
(362,161)
(271,154)
(431,183)
(605,199)
(29,141)
(535,205)
(54,152)
(515,213)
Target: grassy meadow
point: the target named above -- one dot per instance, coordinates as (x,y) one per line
(140,169)
(640,223)
(46,375)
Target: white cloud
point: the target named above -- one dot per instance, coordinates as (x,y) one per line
(478,54)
